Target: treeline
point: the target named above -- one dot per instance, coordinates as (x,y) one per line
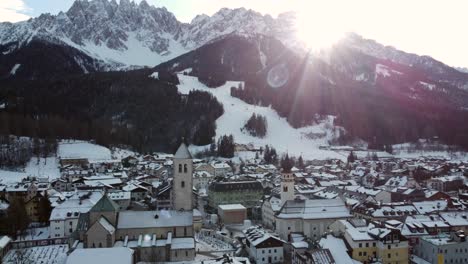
(111,108)
(256,126)
(15,152)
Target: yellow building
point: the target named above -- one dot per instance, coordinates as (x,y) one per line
(368,242)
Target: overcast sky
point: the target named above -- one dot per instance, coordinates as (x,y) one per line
(425,27)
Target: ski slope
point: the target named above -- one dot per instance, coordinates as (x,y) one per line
(280,133)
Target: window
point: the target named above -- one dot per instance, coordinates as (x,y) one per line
(275,252)
(180,167)
(100,244)
(367,244)
(263,251)
(185,168)
(269,251)
(285,188)
(389,255)
(182,184)
(360,254)
(186,253)
(373,244)
(360,245)
(365,253)
(289,228)
(389,246)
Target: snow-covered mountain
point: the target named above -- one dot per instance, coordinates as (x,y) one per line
(128,34)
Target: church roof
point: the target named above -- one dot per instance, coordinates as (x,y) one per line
(105,204)
(183,152)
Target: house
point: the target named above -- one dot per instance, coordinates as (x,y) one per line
(392,247)
(64,217)
(202,179)
(247,193)
(232,213)
(263,247)
(446,183)
(121,198)
(270,207)
(354,231)
(443,248)
(309,217)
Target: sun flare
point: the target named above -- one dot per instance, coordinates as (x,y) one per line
(317,34)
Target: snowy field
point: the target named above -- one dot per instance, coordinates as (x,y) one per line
(83,149)
(46,168)
(56,254)
(429,149)
(280,134)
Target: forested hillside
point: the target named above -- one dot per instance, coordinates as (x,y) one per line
(112,108)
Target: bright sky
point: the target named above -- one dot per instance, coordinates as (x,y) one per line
(425,27)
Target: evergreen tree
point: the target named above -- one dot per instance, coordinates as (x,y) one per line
(351,157)
(266,154)
(300,163)
(18,218)
(256,125)
(226,146)
(389,148)
(45,208)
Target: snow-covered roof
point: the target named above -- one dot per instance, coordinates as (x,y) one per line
(337,248)
(80,202)
(256,235)
(225,207)
(115,255)
(314,209)
(183,243)
(425,207)
(147,219)
(108,226)
(4,241)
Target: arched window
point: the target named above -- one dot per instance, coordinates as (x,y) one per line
(185,168)
(182,184)
(180,167)
(285,188)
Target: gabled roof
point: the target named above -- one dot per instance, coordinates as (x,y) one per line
(105,204)
(183,152)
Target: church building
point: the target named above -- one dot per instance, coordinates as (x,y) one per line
(155,236)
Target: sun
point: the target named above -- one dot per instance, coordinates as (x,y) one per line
(316,33)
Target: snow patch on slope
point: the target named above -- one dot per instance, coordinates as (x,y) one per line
(136,52)
(385,71)
(429,86)
(303,141)
(14,69)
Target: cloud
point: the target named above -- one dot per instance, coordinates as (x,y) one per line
(13,11)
